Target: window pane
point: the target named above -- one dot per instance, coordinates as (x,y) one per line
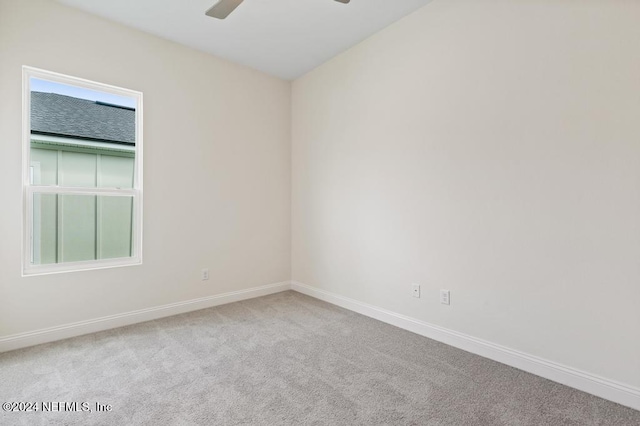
(44,166)
(71,228)
(115,227)
(45,229)
(116,172)
(77,229)
(81,137)
(77,169)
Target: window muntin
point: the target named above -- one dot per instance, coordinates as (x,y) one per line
(82,149)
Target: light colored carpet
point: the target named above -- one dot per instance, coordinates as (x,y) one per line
(283,359)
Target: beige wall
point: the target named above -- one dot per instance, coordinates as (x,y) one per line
(491,148)
(216,168)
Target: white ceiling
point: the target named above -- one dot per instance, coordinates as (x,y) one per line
(285,38)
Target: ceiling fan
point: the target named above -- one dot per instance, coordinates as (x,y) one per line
(223,8)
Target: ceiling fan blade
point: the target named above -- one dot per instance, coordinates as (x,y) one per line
(343,1)
(223,8)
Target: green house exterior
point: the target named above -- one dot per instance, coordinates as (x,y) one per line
(80,143)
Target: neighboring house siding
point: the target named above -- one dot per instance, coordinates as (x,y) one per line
(81,227)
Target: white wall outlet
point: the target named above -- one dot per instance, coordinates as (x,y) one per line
(415,289)
(204,274)
(445,297)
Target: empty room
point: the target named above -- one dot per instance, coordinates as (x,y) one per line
(328,212)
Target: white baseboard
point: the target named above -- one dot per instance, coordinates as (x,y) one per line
(586,382)
(22,340)
(608,389)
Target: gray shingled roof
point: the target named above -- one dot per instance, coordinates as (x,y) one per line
(61,115)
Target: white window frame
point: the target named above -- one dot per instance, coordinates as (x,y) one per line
(28,189)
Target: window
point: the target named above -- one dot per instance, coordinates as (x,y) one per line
(82,174)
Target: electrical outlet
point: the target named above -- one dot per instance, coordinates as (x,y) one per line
(415,290)
(445,297)
(204,274)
